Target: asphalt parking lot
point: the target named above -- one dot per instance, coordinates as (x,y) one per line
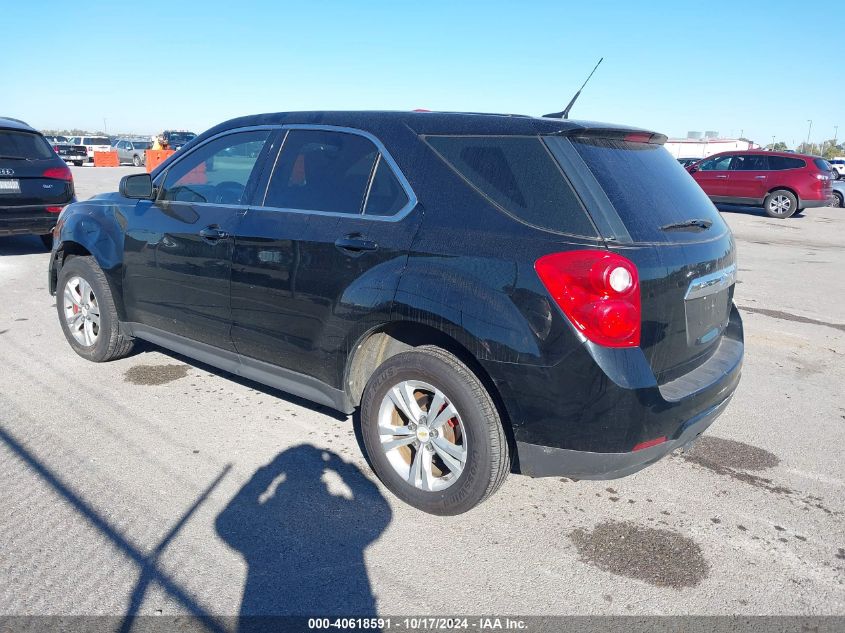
(156,485)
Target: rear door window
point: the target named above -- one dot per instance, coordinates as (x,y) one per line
(386,196)
(322,170)
(518,175)
(647,188)
(25,145)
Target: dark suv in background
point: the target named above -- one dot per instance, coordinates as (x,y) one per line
(782,183)
(492,292)
(35,184)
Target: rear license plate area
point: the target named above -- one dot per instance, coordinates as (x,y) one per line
(10,186)
(707,316)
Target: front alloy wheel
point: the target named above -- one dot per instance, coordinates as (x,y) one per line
(82,311)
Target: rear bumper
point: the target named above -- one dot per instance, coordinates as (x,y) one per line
(584,416)
(544,461)
(26,221)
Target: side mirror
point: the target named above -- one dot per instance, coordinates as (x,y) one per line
(136,187)
(692,169)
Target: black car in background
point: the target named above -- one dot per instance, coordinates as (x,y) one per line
(35,184)
(492,292)
(70,153)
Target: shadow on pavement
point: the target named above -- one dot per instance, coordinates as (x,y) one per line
(302,523)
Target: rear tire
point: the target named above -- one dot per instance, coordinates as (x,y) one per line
(780,204)
(466,425)
(78,163)
(837,200)
(136,160)
(87,312)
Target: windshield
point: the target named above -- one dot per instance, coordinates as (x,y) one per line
(23,145)
(648,188)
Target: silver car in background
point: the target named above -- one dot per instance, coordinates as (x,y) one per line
(131,150)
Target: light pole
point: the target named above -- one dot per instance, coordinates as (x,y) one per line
(835,133)
(807,148)
(773,142)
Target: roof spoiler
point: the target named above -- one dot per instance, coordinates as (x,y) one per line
(616,134)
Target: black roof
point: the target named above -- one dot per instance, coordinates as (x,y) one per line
(422,122)
(14,124)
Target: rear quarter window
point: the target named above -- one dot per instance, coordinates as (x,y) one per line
(518,175)
(779,163)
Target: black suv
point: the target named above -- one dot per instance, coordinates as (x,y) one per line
(35,184)
(493,292)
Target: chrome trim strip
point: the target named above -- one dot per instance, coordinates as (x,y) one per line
(712,283)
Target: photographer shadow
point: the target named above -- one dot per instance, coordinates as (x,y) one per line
(302,523)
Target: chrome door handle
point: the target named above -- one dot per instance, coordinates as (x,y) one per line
(759,177)
(213,233)
(721,177)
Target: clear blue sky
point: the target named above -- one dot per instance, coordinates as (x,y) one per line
(737,66)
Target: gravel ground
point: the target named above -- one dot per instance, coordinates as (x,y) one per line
(157,485)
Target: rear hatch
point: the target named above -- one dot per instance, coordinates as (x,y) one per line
(30,172)
(652,212)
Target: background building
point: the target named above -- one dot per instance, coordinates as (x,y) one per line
(698,145)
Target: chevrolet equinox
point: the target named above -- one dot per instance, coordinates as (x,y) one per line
(494,293)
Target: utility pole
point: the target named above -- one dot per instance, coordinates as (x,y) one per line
(773,142)
(105,126)
(807,148)
(835,133)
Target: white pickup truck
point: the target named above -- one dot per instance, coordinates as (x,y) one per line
(93,144)
(838,165)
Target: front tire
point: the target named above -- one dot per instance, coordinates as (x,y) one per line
(432,432)
(780,204)
(837,200)
(87,312)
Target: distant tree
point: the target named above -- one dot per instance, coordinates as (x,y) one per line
(780,146)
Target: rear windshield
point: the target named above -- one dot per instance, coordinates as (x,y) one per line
(648,189)
(23,145)
(181,137)
(519,176)
(141,144)
(822,164)
(96,140)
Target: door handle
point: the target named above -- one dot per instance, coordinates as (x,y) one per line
(759,177)
(213,233)
(355,244)
(721,177)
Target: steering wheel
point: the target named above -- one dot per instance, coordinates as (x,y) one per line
(228,192)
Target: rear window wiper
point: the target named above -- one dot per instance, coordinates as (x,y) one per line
(688,225)
(13,157)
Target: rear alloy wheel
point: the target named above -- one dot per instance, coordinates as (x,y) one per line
(837,200)
(432,433)
(780,204)
(87,312)
(136,160)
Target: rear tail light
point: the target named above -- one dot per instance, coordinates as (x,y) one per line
(59,173)
(54,209)
(598,291)
(822,176)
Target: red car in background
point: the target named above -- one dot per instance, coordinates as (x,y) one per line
(780,182)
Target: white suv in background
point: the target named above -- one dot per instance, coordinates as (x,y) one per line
(838,165)
(93,144)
